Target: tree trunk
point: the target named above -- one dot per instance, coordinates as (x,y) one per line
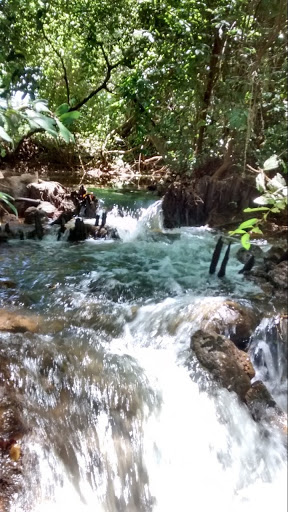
(211,81)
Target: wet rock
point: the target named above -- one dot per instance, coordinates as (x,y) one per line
(231,319)
(17,185)
(7,283)
(29,214)
(78,233)
(231,367)
(264,408)
(50,191)
(275,254)
(243,255)
(45,210)
(13,322)
(278,275)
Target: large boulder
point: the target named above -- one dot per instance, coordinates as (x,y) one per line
(50,191)
(16,186)
(230,366)
(231,319)
(45,210)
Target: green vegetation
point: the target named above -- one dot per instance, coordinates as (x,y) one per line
(273,199)
(18,123)
(186,79)
(6,199)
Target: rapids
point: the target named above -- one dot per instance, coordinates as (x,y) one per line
(120,417)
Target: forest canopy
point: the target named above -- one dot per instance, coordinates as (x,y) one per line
(185,79)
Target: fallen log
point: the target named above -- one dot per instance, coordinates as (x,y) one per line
(33,202)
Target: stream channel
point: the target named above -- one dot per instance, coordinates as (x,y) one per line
(121,418)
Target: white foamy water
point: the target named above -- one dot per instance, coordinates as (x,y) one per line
(121,419)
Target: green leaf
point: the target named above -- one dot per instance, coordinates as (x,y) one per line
(4,135)
(40,106)
(260,182)
(245,241)
(271,163)
(275,210)
(69,117)
(66,134)
(47,123)
(256,230)
(62,109)
(277,182)
(248,223)
(237,232)
(42,123)
(260,209)
(5,198)
(264,200)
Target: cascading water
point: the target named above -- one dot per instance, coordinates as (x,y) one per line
(119,416)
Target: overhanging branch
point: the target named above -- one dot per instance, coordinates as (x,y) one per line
(104,85)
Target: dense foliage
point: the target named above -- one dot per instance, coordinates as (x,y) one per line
(187,79)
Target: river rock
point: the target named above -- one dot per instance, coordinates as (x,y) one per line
(230,366)
(50,191)
(231,319)
(264,408)
(243,255)
(45,210)
(7,283)
(16,186)
(278,275)
(14,322)
(275,254)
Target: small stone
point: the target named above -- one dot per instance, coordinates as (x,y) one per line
(15,452)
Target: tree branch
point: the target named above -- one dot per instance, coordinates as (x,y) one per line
(65,75)
(101,87)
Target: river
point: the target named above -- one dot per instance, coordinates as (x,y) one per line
(120,417)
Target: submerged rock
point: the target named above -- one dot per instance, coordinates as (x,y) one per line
(230,366)
(13,322)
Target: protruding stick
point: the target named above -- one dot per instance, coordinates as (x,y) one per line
(216,256)
(248,265)
(222,270)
